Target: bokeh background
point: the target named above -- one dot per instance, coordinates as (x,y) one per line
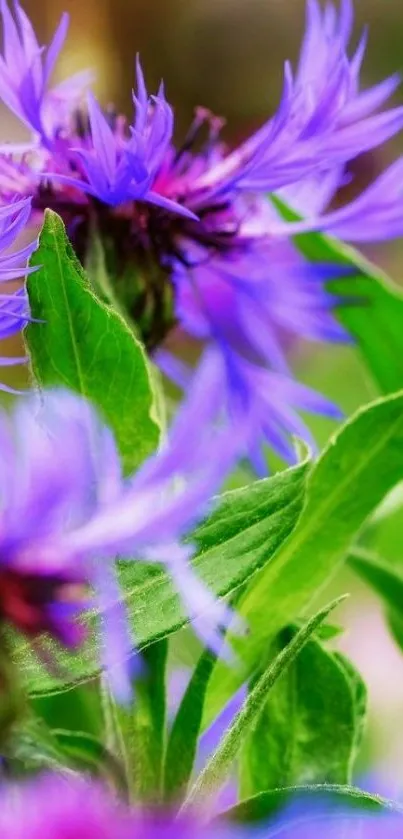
(228,55)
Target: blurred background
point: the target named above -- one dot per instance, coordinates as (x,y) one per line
(228,55)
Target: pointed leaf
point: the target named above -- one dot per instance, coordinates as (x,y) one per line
(354,473)
(80,343)
(217,768)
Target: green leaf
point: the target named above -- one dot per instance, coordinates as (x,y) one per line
(82,344)
(269,804)
(360,701)
(383,578)
(219,765)
(386,580)
(307,731)
(143,727)
(373,308)
(354,473)
(88,753)
(183,738)
(239,537)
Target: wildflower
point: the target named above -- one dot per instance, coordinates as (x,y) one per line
(25,72)
(66,512)
(117,169)
(14,309)
(191,240)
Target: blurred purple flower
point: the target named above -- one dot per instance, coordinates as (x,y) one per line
(66,513)
(56,807)
(14,309)
(25,72)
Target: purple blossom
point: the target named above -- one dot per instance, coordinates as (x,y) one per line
(117,166)
(66,513)
(376,215)
(60,808)
(324,119)
(14,309)
(196,220)
(25,72)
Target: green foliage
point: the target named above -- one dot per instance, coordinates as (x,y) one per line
(80,343)
(214,773)
(352,476)
(239,537)
(184,734)
(308,730)
(372,311)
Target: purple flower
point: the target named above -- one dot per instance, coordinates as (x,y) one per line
(376,215)
(66,513)
(119,166)
(323,118)
(25,72)
(61,808)
(193,240)
(14,310)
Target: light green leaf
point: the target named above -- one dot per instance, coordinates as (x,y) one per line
(271,803)
(81,343)
(239,537)
(214,773)
(373,309)
(359,466)
(307,731)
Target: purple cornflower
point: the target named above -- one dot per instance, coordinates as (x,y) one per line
(66,513)
(14,310)
(25,72)
(117,167)
(192,240)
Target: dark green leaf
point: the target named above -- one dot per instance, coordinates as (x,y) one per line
(234,542)
(355,472)
(82,344)
(183,739)
(307,732)
(214,773)
(373,308)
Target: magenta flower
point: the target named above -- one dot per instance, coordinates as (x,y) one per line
(25,72)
